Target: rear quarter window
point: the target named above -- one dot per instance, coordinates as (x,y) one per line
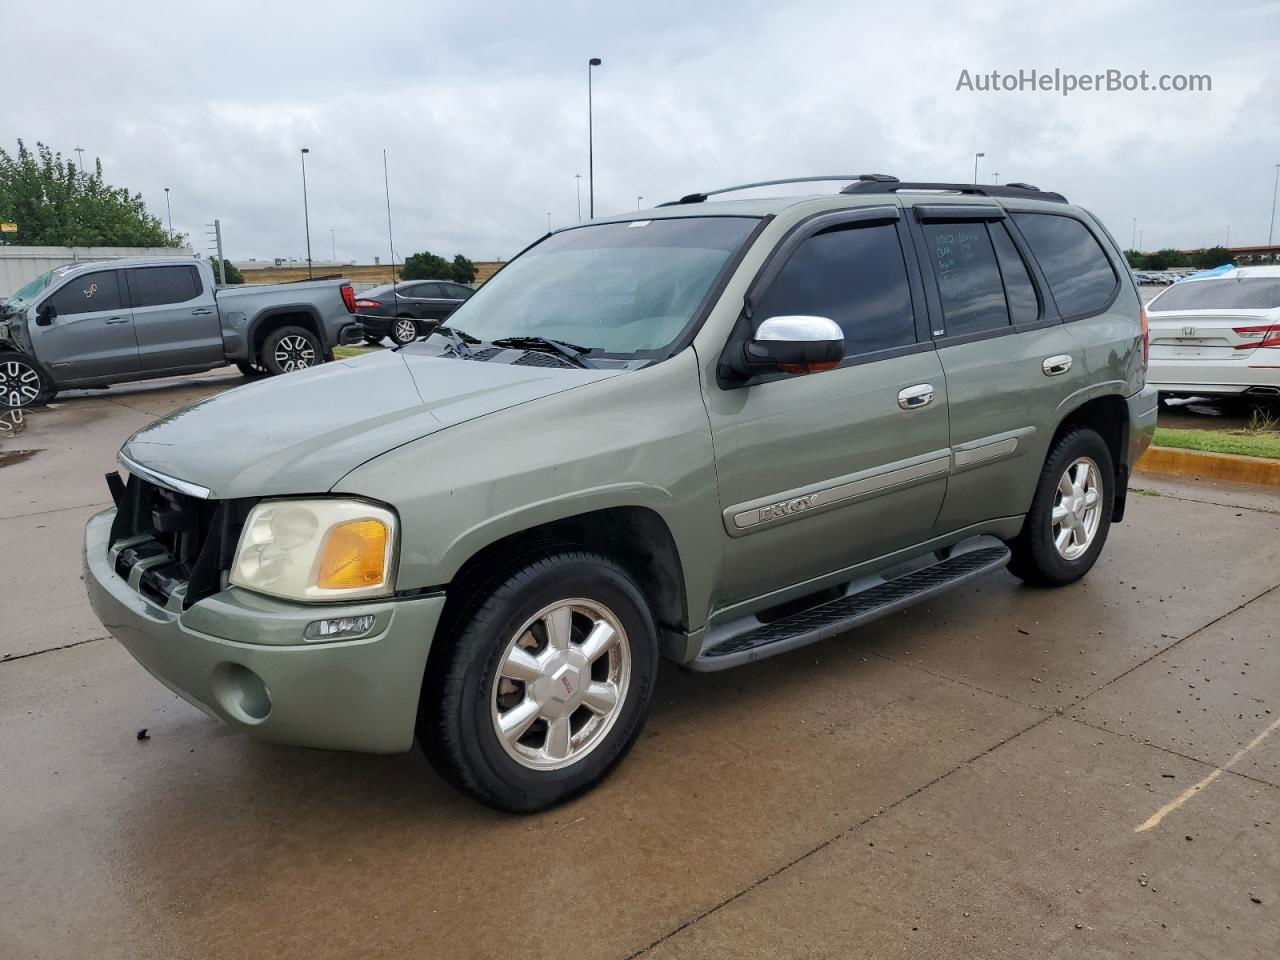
(1081,278)
(153,286)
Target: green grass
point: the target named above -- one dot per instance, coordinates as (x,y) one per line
(352,351)
(1250,444)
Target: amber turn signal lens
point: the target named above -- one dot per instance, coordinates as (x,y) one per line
(354,555)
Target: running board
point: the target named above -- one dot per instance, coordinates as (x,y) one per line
(747,640)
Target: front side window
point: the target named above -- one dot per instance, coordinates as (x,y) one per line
(618,289)
(1080,276)
(88,293)
(854,275)
(964,264)
(155,286)
(1245,293)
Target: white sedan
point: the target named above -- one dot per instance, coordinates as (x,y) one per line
(1217,334)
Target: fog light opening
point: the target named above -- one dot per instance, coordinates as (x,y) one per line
(241,693)
(338,628)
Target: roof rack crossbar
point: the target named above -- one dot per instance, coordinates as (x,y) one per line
(700,197)
(1023,191)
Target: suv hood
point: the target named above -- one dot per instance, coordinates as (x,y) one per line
(302,432)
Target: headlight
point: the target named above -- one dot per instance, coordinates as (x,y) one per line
(317,550)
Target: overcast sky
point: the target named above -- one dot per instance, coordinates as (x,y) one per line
(482,109)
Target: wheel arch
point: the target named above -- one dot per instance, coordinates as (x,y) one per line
(289,315)
(1107,414)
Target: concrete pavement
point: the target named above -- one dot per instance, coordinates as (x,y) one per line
(965,778)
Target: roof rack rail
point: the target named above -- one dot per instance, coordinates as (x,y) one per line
(881,184)
(700,197)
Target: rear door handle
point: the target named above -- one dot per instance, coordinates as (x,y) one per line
(117,319)
(912,398)
(1056,366)
(201,311)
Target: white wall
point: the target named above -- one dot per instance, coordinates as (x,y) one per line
(20,264)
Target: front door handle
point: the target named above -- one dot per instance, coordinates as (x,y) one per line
(1056,366)
(912,398)
(201,311)
(117,319)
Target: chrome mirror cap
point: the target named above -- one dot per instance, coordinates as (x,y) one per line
(799,329)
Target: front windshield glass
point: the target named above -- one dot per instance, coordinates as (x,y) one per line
(27,293)
(1245,293)
(620,289)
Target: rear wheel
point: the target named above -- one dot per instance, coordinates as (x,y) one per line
(289,349)
(404,330)
(24,382)
(546,683)
(1070,514)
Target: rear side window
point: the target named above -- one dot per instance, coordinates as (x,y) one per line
(1079,274)
(855,276)
(964,264)
(88,294)
(154,286)
(1024,306)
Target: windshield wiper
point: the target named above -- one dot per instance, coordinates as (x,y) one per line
(570,351)
(460,341)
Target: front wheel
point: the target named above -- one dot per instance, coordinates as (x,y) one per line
(404,330)
(545,685)
(289,349)
(23,382)
(1070,514)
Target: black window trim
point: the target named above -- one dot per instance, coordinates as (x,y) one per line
(128,287)
(1103,245)
(1035,289)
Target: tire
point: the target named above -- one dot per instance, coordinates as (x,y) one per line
(1039,556)
(404,330)
(288,349)
(250,369)
(470,690)
(372,340)
(24,382)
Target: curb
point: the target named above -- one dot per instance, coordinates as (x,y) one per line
(1210,466)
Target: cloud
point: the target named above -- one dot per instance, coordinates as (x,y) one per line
(482,109)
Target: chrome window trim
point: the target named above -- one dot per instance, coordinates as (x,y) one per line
(162,480)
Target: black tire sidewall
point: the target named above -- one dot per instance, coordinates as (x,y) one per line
(1038,558)
(484,640)
(47,389)
(267,357)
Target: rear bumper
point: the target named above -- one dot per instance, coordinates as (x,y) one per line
(1260,369)
(1143,409)
(376,326)
(351,334)
(233,655)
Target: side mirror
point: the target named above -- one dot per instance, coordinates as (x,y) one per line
(45,313)
(793,344)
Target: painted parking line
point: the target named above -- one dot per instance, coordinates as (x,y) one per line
(1172,805)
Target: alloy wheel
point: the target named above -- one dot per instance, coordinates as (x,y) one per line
(19,383)
(294,353)
(561,684)
(1077,509)
(404,331)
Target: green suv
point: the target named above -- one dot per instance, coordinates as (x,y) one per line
(711,432)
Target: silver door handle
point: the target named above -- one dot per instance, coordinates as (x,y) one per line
(117,319)
(1056,366)
(201,311)
(912,398)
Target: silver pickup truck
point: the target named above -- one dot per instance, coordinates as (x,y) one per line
(98,323)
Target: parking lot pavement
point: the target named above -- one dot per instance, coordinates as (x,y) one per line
(965,778)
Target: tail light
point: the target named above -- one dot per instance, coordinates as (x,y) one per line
(348,297)
(1146,338)
(1264,336)
(368,304)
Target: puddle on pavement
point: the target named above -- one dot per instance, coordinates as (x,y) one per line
(9,457)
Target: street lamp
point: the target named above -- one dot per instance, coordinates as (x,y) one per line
(306,213)
(995,178)
(333,246)
(638,199)
(548,221)
(169,211)
(1272,230)
(80,154)
(1133,237)
(591,173)
(577,182)
(975,165)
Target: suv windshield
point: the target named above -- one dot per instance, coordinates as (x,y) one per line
(620,289)
(25,294)
(1245,293)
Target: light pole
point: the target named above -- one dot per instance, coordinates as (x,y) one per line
(548,221)
(306,213)
(1139,241)
(577,182)
(1133,237)
(975,165)
(591,171)
(80,154)
(333,246)
(638,199)
(169,211)
(1272,230)
(995,178)
(1227,245)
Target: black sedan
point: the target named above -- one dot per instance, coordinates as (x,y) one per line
(408,309)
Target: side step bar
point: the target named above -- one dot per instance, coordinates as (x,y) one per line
(753,640)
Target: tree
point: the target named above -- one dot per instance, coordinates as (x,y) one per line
(228,270)
(1212,257)
(54,204)
(425,266)
(462,269)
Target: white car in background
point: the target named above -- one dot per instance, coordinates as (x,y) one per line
(1217,334)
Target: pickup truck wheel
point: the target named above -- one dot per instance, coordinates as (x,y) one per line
(546,685)
(1070,513)
(404,330)
(289,349)
(250,369)
(24,382)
